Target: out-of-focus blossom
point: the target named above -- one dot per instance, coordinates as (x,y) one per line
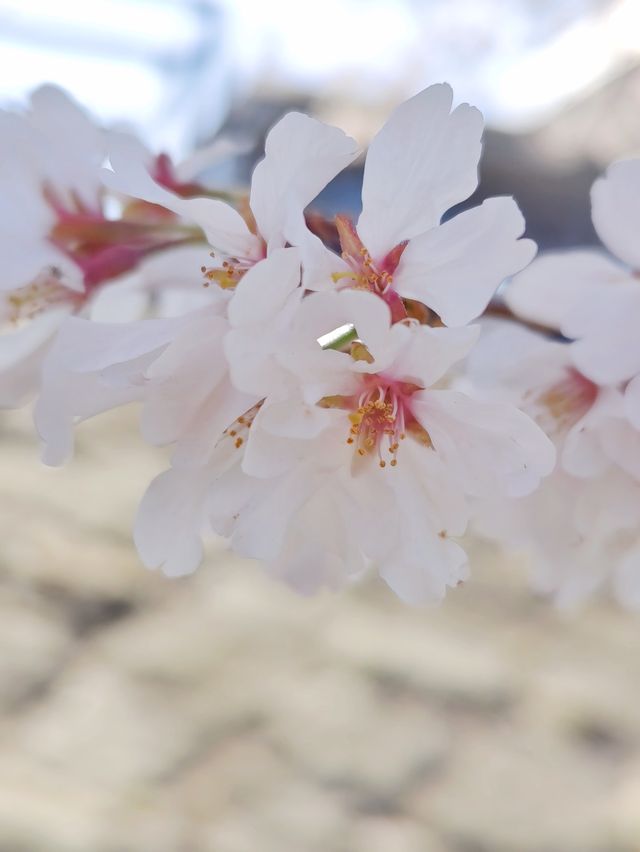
(65,248)
(581,527)
(593,299)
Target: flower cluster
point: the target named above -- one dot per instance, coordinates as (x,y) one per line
(309,376)
(582,384)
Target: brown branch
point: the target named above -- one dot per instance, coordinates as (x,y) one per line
(497,308)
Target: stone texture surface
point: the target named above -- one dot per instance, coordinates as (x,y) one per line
(221,713)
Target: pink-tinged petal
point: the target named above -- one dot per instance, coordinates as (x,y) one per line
(198,443)
(433,351)
(632,401)
(267,455)
(322,269)
(294,418)
(262,292)
(621,443)
(123,301)
(320,549)
(583,453)
(608,346)
(170,519)
(456,268)
(492,448)
(422,162)
(301,156)
(615,209)
(21,355)
(550,288)
(424,561)
(76,144)
(182,377)
(534,361)
(262,529)
(91,368)
(84,347)
(68,398)
(224,227)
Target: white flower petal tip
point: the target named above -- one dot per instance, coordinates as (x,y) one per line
(615,209)
(422,162)
(301,156)
(169,521)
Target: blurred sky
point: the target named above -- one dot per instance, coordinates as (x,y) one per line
(173,67)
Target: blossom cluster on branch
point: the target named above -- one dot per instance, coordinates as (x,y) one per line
(330,402)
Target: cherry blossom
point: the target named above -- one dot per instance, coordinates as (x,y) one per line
(322,452)
(422,162)
(64,250)
(358,450)
(593,299)
(580,526)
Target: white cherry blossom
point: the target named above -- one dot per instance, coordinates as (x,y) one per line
(591,298)
(354,458)
(580,527)
(64,250)
(422,162)
(301,156)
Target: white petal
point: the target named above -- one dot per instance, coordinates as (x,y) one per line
(76,145)
(293,418)
(534,362)
(84,346)
(457,267)
(21,356)
(224,227)
(264,289)
(548,290)
(182,377)
(122,301)
(322,313)
(493,448)
(169,521)
(268,455)
(422,162)
(433,351)
(424,561)
(583,453)
(608,346)
(67,398)
(319,264)
(301,156)
(615,209)
(260,532)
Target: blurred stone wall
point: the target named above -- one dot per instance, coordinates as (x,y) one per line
(224,714)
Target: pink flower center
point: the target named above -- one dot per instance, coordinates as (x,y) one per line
(381,417)
(104,248)
(567,401)
(365,273)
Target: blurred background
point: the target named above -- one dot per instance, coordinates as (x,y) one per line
(222,713)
